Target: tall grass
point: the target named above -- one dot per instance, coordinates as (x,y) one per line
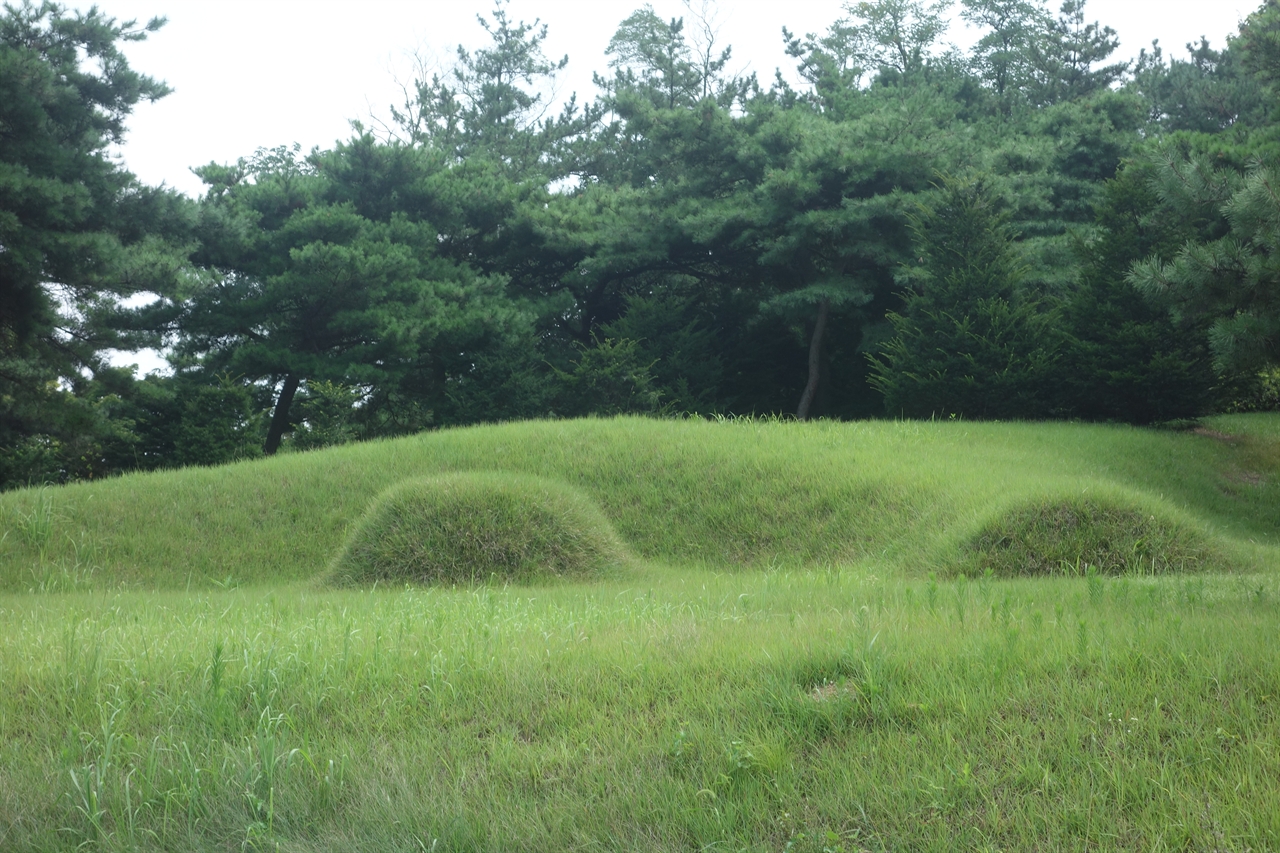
(730,494)
(685,710)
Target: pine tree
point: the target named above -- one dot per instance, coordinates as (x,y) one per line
(1232,282)
(299,286)
(77,231)
(967,342)
(1127,360)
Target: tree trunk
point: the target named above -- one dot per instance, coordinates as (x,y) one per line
(280,418)
(815,361)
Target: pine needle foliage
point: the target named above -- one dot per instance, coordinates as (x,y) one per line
(1232,282)
(967,341)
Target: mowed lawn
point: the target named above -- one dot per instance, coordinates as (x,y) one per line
(825,637)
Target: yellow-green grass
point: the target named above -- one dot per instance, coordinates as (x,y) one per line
(683,710)
(727,495)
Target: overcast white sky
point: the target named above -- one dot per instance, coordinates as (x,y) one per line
(271,72)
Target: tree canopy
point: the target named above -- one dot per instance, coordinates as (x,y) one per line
(1026,228)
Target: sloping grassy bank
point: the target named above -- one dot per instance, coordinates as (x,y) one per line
(732,494)
(759,711)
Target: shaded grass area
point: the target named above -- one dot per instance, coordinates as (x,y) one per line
(683,710)
(914,495)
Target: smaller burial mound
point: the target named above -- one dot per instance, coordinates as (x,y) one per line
(1068,537)
(468,528)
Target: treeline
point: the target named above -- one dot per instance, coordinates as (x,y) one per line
(1028,229)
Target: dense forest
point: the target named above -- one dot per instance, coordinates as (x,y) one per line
(1028,229)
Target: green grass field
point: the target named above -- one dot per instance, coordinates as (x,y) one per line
(807,637)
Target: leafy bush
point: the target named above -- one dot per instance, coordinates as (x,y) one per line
(472,527)
(219,423)
(327,414)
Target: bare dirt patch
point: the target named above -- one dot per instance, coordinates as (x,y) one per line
(1216,435)
(1251,478)
(826,691)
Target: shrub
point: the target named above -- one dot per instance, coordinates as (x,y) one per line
(472,527)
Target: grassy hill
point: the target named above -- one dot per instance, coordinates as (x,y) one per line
(944,497)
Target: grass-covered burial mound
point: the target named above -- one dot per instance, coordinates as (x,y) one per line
(476,527)
(1070,536)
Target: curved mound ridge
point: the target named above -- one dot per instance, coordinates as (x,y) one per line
(474,527)
(725,495)
(1073,535)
